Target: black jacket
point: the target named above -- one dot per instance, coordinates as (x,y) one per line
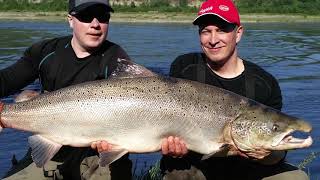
(254,83)
(55,64)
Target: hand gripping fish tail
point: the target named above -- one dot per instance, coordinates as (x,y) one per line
(1,108)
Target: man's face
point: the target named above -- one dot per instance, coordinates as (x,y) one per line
(90,27)
(218,40)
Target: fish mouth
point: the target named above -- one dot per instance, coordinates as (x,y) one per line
(287,141)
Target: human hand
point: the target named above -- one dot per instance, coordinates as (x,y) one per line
(101,146)
(173,146)
(1,108)
(273,158)
(264,157)
(255,154)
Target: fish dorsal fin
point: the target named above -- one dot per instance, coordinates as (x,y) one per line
(26,95)
(129,69)
(108,157)
(42,149)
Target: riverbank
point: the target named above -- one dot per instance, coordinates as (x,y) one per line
(155,17)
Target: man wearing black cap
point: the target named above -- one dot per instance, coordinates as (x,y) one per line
(220,31)
(61,62)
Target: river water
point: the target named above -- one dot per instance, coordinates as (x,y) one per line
(290,51)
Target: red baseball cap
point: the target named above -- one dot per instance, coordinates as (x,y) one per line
(225,9)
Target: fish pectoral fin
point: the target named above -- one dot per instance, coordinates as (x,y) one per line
(109,157)
(42,149)
(222,151)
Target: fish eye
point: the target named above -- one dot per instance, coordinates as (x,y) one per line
(275,127)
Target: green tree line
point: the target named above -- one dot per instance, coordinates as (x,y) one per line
(307,7)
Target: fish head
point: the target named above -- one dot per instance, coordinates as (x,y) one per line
(261,127)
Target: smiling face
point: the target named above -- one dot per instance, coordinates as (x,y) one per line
(90,27)
(219,38)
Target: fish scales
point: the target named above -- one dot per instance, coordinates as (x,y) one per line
(161,101)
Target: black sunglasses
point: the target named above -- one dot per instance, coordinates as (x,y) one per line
(88,16)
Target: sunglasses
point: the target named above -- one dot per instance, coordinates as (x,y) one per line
(88,16)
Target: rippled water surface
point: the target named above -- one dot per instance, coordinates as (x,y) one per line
(291,52)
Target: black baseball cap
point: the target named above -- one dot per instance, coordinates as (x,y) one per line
(76,6)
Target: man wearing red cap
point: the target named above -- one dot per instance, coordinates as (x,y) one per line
(220,31)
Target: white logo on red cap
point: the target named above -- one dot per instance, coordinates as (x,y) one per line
(205,10)
(224,8)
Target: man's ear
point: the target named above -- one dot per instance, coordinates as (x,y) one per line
(239,33)
(70,21)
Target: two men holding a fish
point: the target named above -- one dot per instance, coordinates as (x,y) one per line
(86,56)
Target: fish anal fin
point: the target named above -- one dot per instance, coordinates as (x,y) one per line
(109,157)
(26,95)
(129,69)
(42,149)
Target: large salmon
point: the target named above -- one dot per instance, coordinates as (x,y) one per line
(134,114)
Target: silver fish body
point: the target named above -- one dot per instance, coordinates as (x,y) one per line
(134,114)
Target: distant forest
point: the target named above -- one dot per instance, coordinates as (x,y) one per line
(306,7)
